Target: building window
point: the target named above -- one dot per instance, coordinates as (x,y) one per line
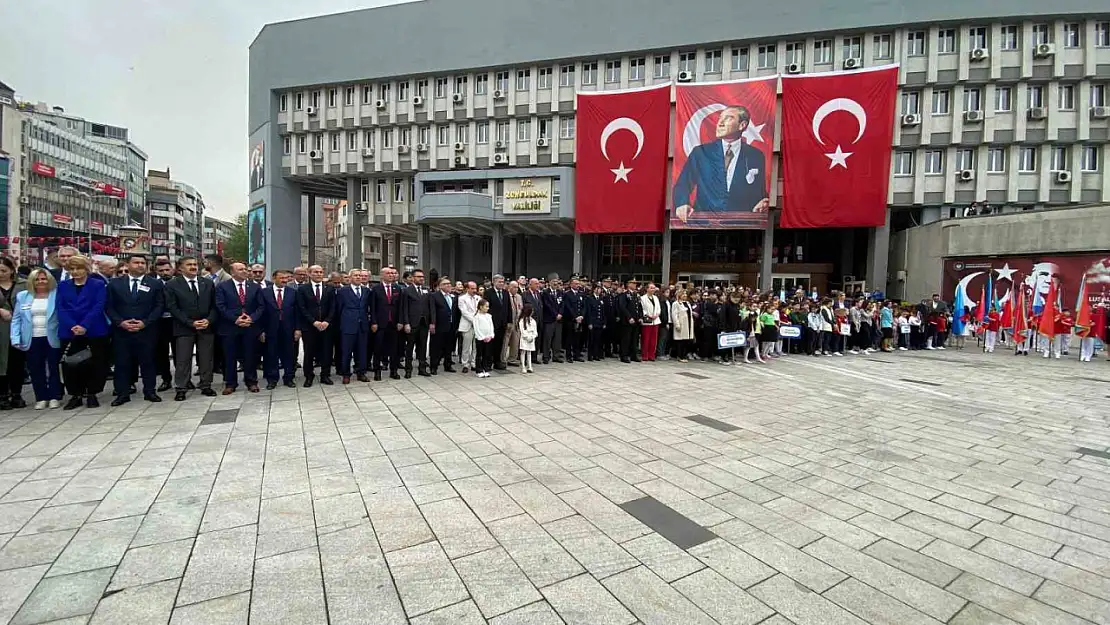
(996,160)
(1102,35)
(543,78)
(379,192)
(387,138)
(903,163)
(977,38)
(285,145)
(795,53)
(636,68)
(352,140)
(566,127)
(853,48)
(523,79)
(662,66)
(501,82)
(1067,97)
(915,43)
(566,75)
(331,98)
(404,136)
(301,148)
(1098,95)
(934,162)
(424,135)
(398,190)
(739,59)
(884,49)
(298,101)
(349,96)
(911,103)
(443,135)
(686,61)
(403,91)
(1071,35)
(1060,158)
(1036,96)
(822,51)
(383,92)
(481,133)
(1027,159)
(502,132)
(589,73)
(767,58)
(367,94)
(368,139)
(441,88)
(1090,158)
(712,61)
(283,103)
(543,129)
(1009,35)
(421,88)
(460,84)
(1041,34)
(942,104)
(523,130)
(965,159)
(612,72)
(946,41)
(462,133)
(318,142)
(481,83)
(1003,99)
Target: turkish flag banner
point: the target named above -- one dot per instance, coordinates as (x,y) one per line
(837,131)
(724,137)
(622,160)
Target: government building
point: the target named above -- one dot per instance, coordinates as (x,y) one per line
(451,123)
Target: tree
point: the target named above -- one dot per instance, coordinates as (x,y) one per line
(236,246)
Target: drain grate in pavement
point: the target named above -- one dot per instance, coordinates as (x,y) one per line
(1087,451)
(213,417)
(696,376)
(713,423)
(667,522)
(922,382)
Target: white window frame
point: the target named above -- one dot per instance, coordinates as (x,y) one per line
(543,78)
(1072,35)
(481,132)
(387,138)
(332,97)
(318,141)
(662,66)
(349,96)
(1098,95)
(352,140)
(977,38)
(1061,159)
(637,67)
(946,41)
(523,130)
(1035,96)
(567,127)
(767,57)
(934,162)
(1009,37)
(380,190)
(404,136)
(1003,99)
(368,139)
(283,102)
(1066,98)
(589,73)
(462,133)
(367,94)
(421,89)
(443,135)
(398,190)
(566,75)
(741,59)
(916,43)
(501,81)
(795,53)
(973,99)
(441,87)
(713,61)
(822,52)
(852,48)
(523,79)
(613,72)
(903,163)
(1090,160)
(1102,34)
(503,131)
(884,47)
(965,159)
(384,91)
(1027,159)
(286,145)
(1042,33)
(942,102)
(996,160)
(911,103)
(403,91)
(481,83)
(461,84)
(424,135)
(302,144)
(298,101)
(687,61)
(543,128)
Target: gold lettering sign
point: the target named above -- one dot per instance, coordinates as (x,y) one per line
(527,196)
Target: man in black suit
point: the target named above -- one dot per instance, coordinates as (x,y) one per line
(532,297)
(164,349)
(443,316)
(414,313)
(552,299)
(316,312)
(191,301)
(574,312)
(240,306)
(500,311)
(629,316)
(386,324)
(64,254)
(611,335)
(134,306)
(279,302)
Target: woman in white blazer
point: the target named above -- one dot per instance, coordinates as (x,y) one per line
(35,331)
(649,330)
(682,320)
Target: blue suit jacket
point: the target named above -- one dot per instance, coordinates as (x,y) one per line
(705,171)
(85,309)
(23,325)
(146,306)
(353,313)
(227,302)
(286,321)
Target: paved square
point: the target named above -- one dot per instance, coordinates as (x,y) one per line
(930,487)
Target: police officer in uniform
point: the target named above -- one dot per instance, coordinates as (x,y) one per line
(574,312)
(629,316)
(552,322)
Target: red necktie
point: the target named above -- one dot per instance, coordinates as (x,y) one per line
(389,299)
(242,295)
(281,311)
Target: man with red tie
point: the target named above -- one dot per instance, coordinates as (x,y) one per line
(241,311)
(315,314)
(279,300)
(386,323)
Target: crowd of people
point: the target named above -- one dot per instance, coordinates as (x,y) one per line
(174,326)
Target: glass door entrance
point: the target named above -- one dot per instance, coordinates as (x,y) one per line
(789,282)
(710,280)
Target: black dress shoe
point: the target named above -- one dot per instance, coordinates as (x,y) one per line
(636,360)
(179,396)
(377,376)
(74,402)
(153,397)
(164,386)
(326,380)
(189,386)
(449,369)
(362,378)
(207,392)
(133,389)
(408,375)
(119,401)
(92,402)
(434,372)
(290,384)
(424,374)
(500,367)
(394,376)
(465,370)
(18,402)
(307,382)
(271,386)
(625,360)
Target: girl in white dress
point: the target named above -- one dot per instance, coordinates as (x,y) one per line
(527,328)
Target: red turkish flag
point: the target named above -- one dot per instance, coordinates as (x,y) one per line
(837,132)
(622,160)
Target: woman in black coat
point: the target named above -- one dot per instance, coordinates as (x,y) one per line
(728,320)
(595,324)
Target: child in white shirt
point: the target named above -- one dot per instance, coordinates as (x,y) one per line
(483,340)
(527,328)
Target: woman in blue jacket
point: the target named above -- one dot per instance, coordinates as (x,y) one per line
(35,331)
(82,325)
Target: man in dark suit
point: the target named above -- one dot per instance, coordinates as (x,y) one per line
(500,311)
(532,297)
(552,299)
(386,324)
(191,302)
(414,313)
(279,304)
(316,312)
(240,305)
(64,254)
(134,306)
(573,312)
(353,318)
(164,350)
(611,335)
(727,175)
(629,316)
(443,317)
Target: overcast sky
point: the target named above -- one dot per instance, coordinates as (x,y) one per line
(174,73)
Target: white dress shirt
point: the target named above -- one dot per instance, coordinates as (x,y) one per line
(735,145)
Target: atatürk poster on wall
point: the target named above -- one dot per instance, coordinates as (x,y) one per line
(256,234)
(258,166)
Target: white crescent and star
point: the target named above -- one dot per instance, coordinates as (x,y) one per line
(839,157)
(622,123)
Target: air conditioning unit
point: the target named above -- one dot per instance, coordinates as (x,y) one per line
(1100,112)
(458,98)
(316,155)
(1038,112)
(379,104)
(498,94)
(794,68)
(402,149)
(543,142)
(979,54)
(418,100)
(1044,50)
(460,161)
(23,199)
(966,175)
(973,116)
(1063,176)
(501,145)
(362,207)
(367,152)
(460,146)
(852,63)
(500,159)
(421,147)
(912,119)
(685,76)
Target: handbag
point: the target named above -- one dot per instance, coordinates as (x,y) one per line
(76,358)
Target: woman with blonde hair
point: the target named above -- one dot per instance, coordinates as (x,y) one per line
(83,330)
(35,331)
(682,319)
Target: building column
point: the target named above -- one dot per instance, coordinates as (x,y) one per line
(667,252)
(423,242)
(576,258)
(878,254)
(521,257)
(497,249)
(311,229)
(398,258)
(354,226)
(767,262)
(456,257)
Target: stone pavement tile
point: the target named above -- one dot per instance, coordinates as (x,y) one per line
(227,514)
(733,563)
(430,493)
(978,615)
(582,600)
(240,484)
(14,515)
(196,465)
(605,515)
(539,555)
(721,599)
(375,474)
(139,605)
(784,558)
(231,610)
(936,511)
(168,521)
(357,582)
(539,502)
(891,530)
(621,467)
(1054,532)
(15,586)
(1009,603)
(539,613)
(462,613)
(416,475)
(283,541)
(502,469)
(34,549)
(22,464)
(455,464)
(590,546)
(987,568)
(801,605)
(663,557)
(459,532)
(652,600)
(407,457)
(875,607)
(36,489)
(55,518)
(63,596)
(691,483)
(339,511)
(488,500)
(285,512)
(96,545)
(826,524)
(221,564)
(550,474)
(128,498)
(397,521)
(758,516)
(1084,560)
(933,571)
(197,487)
(495,582)
(154,563)
(1073,601)
(288,589)
(333,484)
(152,462)
(939,529)
(425,578)
(1090,583)
(612,487)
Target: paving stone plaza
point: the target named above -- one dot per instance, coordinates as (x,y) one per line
(903,489)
